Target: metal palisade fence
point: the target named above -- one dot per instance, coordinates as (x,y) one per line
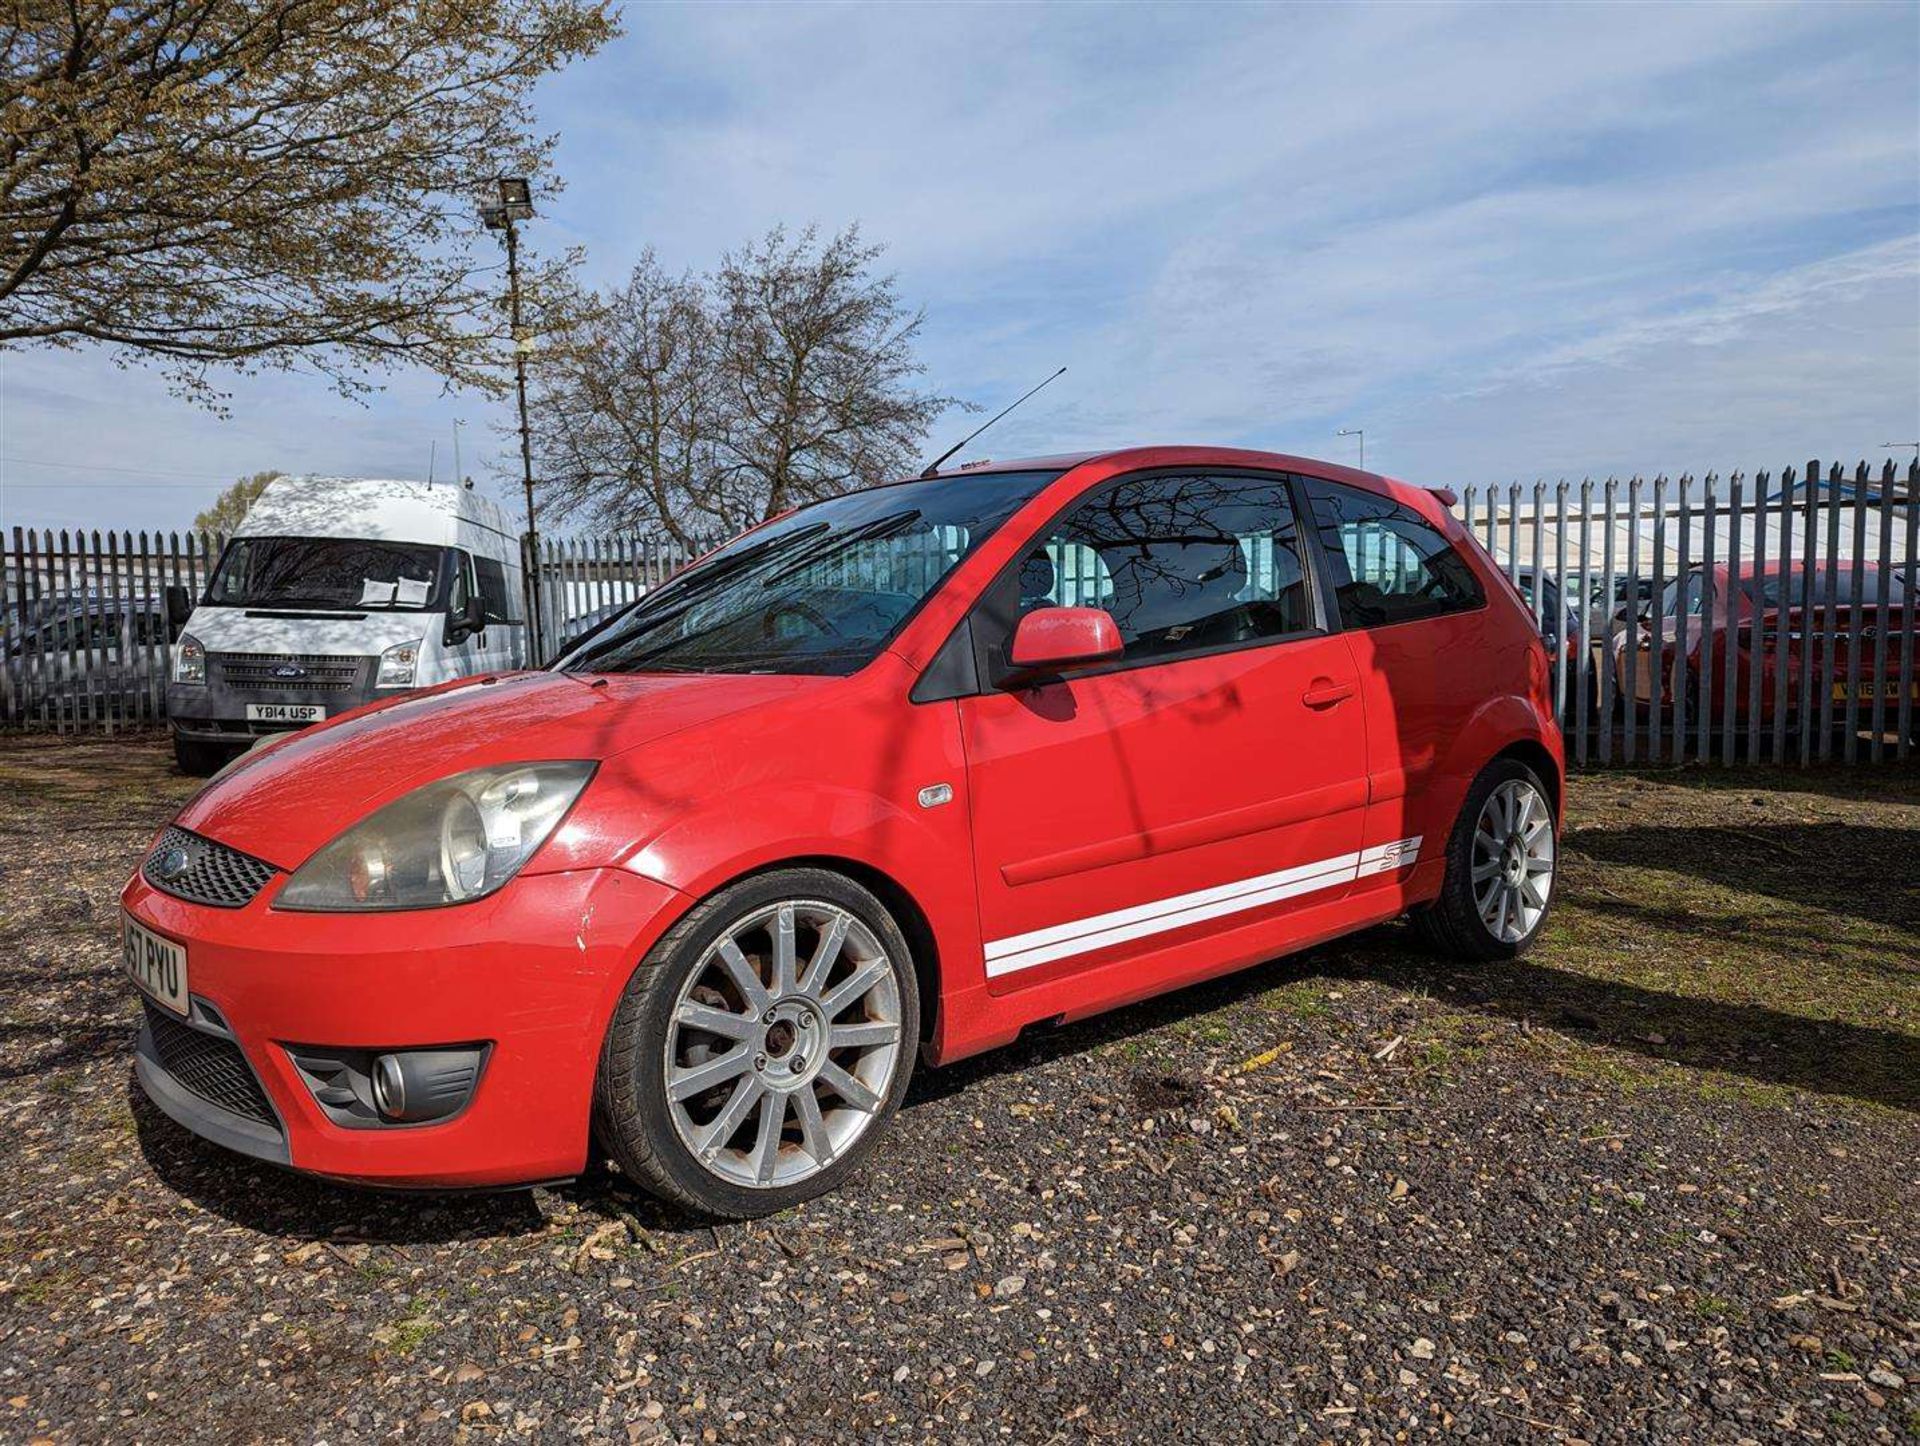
(1739,619)
(83,625)
(581,581)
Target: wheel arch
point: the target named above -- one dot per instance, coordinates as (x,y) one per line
(1534,754)
(922,944)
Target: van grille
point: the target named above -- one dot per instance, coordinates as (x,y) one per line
(287,672)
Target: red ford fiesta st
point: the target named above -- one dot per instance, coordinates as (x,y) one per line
(891,777)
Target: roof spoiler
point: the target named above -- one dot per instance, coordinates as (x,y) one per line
(1448,497)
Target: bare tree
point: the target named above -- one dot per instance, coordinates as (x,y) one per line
(702,405)
(817,367)
(626,415)
(250,183)
(231,507)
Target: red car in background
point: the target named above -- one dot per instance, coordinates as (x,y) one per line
(893,776)
(1757,622)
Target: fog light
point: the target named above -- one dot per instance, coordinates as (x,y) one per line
(424,1084)
(360,1089)
(390,1087)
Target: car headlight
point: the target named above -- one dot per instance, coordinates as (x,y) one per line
(397,665)
(189,660)
(448,842)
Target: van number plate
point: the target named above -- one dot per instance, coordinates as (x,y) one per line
(285,713)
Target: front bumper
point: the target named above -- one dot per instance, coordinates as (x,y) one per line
(533,972)
(216,711)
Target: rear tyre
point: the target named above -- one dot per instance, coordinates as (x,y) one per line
(201,760)
(1500,866)
(761,1047)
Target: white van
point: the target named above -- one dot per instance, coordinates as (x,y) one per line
(333,592)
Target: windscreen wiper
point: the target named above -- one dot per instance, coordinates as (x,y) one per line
(723,567)
(874,531)
(682,592)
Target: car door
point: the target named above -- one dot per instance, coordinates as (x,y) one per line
(1426,647)
(1211,778)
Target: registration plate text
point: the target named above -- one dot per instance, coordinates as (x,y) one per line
(157,965)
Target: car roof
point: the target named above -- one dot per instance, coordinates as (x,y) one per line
(1187,455)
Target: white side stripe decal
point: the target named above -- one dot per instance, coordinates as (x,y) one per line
(1081,936)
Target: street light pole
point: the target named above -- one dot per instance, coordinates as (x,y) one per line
(516,204)
(1361,433)
(520,374)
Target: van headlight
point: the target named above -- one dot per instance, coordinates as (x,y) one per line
(189,660)
(448,842)
(398,665)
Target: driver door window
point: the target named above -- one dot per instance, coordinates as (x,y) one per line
(1185,564)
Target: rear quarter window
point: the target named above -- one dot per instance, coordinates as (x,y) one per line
(1389,564)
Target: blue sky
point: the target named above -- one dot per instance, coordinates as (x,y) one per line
(1510,242)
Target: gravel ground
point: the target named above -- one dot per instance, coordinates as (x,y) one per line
(1656,1182)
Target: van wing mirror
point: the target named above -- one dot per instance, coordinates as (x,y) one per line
(179,609)
(471,619)
(1048,640)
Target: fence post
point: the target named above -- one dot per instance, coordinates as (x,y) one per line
(1829,619)
(1810,552)
(13,677)
(1730,649)
(1904,745)
(1850,743)
(1583,680)
(1656,622)
(1609,670)
(1882,615)
(1682,580)
(1703,679)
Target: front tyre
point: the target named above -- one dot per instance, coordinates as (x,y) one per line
(201,760)
(1500,866)
(761,1046)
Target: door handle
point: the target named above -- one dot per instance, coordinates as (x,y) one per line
(1324,693)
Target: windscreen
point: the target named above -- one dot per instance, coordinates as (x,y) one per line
(820,590)
(334,574)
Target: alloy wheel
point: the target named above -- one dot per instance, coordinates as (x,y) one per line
(783,1043)
(1513,860)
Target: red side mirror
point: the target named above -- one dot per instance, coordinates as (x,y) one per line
(1048,639)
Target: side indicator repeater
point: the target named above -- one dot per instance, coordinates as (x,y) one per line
(935,794)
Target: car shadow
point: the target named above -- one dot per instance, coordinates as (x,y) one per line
(1766,1046)
(1864,870)
(1834,781)
(276,1201)
(1763,1045)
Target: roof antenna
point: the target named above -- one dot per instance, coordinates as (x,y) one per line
(933,468)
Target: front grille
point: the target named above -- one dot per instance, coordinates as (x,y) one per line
(209,1066)
(204,872)
(286,672)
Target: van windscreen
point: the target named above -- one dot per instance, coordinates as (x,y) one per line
(330,574)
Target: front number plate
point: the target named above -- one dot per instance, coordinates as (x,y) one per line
(285,713)
(158,966)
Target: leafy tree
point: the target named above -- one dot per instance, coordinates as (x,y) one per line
(230,508)
(704,404)
(252,183)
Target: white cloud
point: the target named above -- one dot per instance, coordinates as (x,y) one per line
(1506,239)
